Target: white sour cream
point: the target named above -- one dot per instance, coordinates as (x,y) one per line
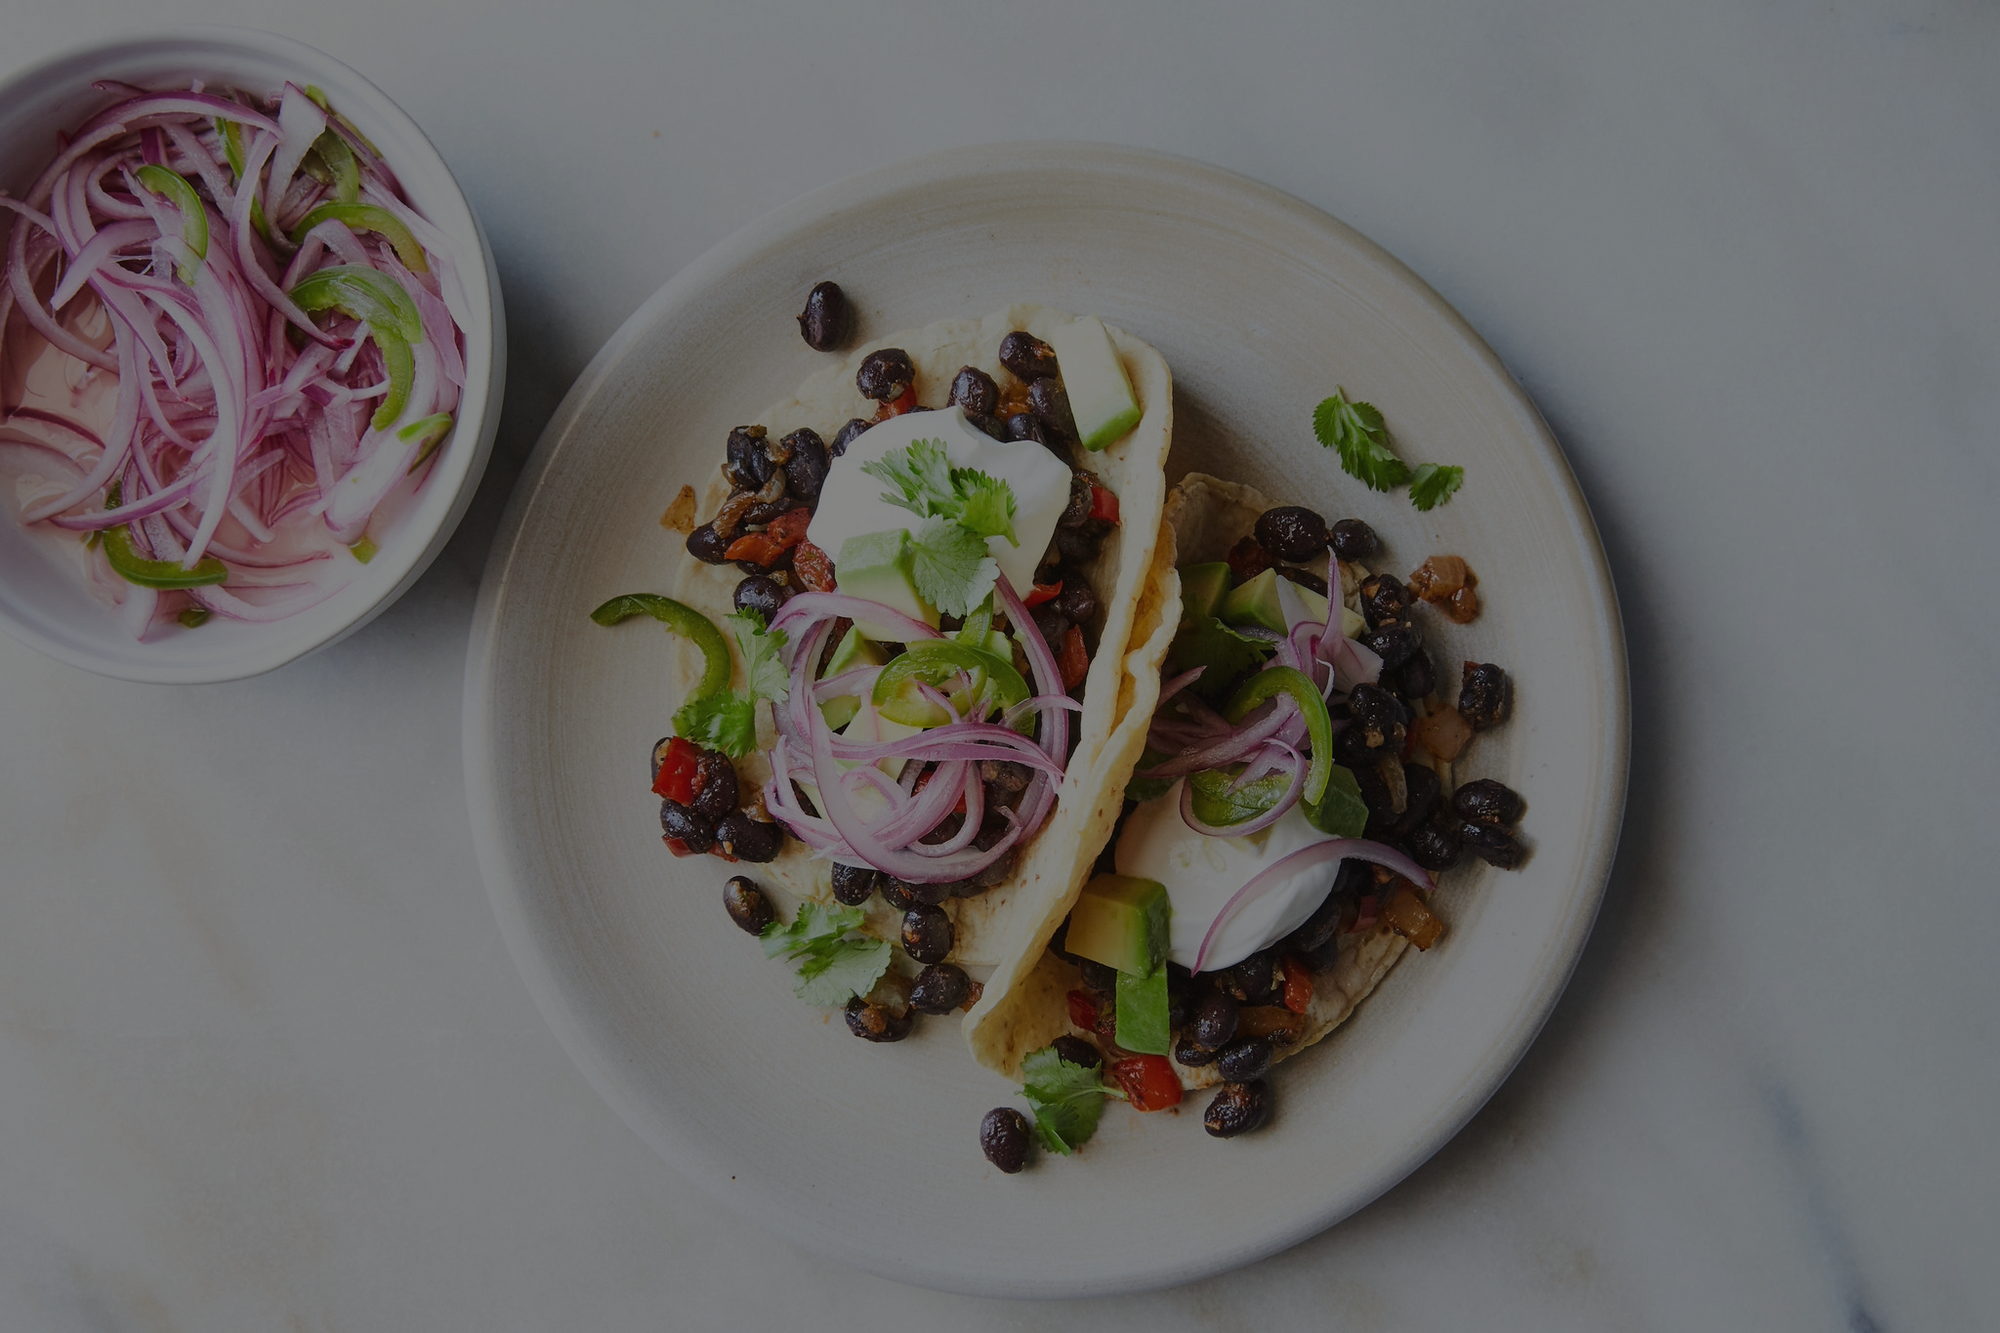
(851,503)
(1202,874)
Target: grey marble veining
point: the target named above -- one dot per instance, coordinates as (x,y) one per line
(264,1062)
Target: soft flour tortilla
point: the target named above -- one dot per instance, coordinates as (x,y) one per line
(1204,516)
(998,929)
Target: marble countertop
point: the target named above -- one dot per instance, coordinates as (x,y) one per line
(265,1063)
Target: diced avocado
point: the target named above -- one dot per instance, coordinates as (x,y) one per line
(1273,602)
(853,651)
(1100,392)
(1203,588)
(1143,1026)
(1352,626)
(1121,922)
(979,682)
(869,727)
(876,565)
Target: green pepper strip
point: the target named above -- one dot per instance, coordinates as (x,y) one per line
(390,314)
(129,565)
(1319,725)
(684,621)
(232,149)
(935,662)
(331,162)
(175,189)
(368,217)
(432,430)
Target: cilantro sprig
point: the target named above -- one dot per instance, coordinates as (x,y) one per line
(832,963)
(727,719)
(960,507)
(1358,434)
(1067,1098)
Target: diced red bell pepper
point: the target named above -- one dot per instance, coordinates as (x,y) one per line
(1103,504)
(812,568)
(1072,661)
(1082,1011)
(1148,1081)
(907,403)
(785,531)
(1043,592)
(677,846)
(1298,985)
(676,778)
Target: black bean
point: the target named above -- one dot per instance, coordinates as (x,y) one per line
(993,426)
(706,545)
(1318,928)
(805,470)
(1379,716)
(748,838)
(975,391)
(1180,995)
(1053,624)
(1395,642)
(927,933)
(1004,777)
(1292,532)
(1434,847)
(1003,1137)
(1023,426)
(1323,958)
(826,320)
(747,905)
(1215,1020)
(1384,599)
(1493,845)
(715,787)
(1098,977)
(939,989)
(1381,802)
(1077,546)
(1305,578)
(896,893)
(877,1022)
(761,593)
(1352,539)
(1487,802)
(688,824)
(1027,356)
(1076,601)
(854,885)
(1077,512)
(1350,748)
(1484,695)
(749,467)
(1238,1108)
(845,436)
(1415,679)
(1251,980)
(885,375)
(1244,1059)
(1049,401)
(1192,1053)
(1077,1051)
(1421,790)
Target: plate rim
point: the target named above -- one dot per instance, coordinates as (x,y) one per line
(804,212)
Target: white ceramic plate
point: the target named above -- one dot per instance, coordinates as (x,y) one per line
(869,1154)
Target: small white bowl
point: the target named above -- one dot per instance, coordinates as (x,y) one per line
(46,605)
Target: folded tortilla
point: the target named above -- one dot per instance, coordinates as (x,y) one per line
(1000,932)
(1203,517)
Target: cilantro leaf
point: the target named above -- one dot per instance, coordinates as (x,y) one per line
(1433,484)
(920,475)
(725,721)
(1341,811)
(832,966)
(985,505)
(1214,803)
(1356,430)
(950,566)
(1067,1098)
(761,649)
(1228,655)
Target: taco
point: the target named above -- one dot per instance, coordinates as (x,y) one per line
(1280,832)
(932,559)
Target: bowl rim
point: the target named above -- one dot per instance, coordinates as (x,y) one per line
(511,893)
(406,560)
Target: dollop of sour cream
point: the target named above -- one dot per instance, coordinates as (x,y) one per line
(851,503)
(1202,874)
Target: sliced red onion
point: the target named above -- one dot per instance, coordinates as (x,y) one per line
(1175,684)
(1338,849)
(827,605)
(1231,748)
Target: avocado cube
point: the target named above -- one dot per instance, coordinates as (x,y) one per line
(1121,922)
(876,566)
(1203,588)
(1275,603)
(1143,1026)
(853,651)
(1100,392)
